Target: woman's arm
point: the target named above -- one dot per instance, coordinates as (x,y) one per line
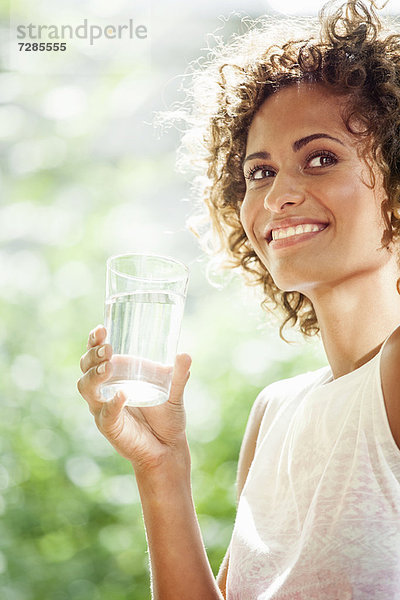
(246,456)
(153,439)
(179,563)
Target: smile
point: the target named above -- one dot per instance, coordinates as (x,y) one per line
(288,236)
(279,234)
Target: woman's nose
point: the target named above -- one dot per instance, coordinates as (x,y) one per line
(285,190)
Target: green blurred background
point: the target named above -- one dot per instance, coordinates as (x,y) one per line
(83,175)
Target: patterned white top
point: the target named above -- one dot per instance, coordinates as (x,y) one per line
(319,516)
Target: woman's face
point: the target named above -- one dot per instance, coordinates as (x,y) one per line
(302,167)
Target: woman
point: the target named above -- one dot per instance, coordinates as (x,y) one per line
(300,142)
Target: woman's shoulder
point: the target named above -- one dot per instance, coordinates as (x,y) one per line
(295,384)
(280,395)
(390,381)
(268,402)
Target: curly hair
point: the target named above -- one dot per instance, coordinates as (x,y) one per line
(351,52)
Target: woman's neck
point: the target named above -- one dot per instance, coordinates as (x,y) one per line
(356,316)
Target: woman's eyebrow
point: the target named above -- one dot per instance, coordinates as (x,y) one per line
(309,138)
(297,145)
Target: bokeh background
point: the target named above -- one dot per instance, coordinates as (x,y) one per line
(83,175)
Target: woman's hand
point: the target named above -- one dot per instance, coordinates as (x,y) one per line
(147,435)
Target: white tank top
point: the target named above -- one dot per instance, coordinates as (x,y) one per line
(319,515)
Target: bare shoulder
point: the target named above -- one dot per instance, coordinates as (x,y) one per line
(390,376)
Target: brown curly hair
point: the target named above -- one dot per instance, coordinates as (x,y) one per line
(351,52)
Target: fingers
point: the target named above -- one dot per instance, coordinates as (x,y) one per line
(180,378)
(96,368)
(97,352)
(95,356)
(97,336)
(89,384)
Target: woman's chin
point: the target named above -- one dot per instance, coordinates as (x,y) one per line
(290,284)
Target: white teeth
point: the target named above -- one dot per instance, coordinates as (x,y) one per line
(279,234)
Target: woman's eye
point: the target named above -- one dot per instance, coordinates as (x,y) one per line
(258,172)
(322,159)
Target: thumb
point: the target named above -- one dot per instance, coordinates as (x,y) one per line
(180,378)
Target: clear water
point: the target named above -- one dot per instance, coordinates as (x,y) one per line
(138,393)
(144,334)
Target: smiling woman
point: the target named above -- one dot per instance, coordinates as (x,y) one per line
(299,157)
(347,58)
(312,180)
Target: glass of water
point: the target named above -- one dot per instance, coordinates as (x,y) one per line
(145,297)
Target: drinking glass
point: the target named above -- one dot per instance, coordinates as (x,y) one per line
(145,297)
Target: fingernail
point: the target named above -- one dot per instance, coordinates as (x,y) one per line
(101,351)
(94,332)
(101,368)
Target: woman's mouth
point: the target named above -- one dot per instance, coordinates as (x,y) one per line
(287,236)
